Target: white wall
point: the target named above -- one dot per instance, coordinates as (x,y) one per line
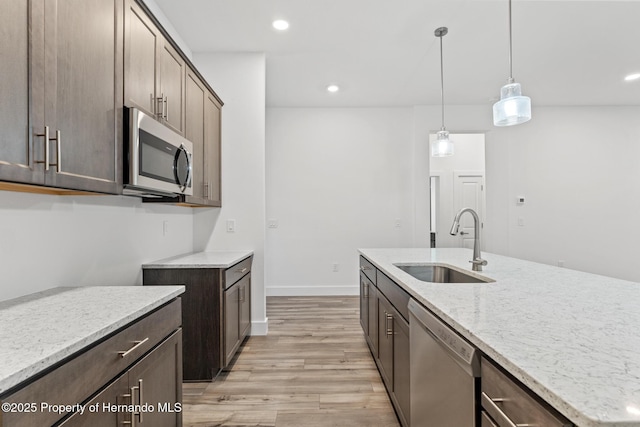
(239,80)
(579,169)
(337,179)
(49,241)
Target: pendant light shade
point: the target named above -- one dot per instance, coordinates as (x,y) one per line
(513,108)
(442,146)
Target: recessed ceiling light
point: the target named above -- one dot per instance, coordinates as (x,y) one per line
(333,88)
(280,24)
(632,77)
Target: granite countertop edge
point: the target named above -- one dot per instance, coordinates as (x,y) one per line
(206,259)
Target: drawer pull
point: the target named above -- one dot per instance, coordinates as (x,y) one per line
(241,271)
(494,410)
(137,344)
(365,268)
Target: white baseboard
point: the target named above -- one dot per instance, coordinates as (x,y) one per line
(260,327)
(311,291)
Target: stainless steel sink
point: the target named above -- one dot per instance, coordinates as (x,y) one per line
(440,274)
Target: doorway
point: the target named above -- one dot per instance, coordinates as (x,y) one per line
(457,182)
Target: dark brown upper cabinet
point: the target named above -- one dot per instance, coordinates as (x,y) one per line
(154,79)
(61,112)
(203,130)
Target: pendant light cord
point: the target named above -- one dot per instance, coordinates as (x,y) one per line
(510,48)
(442,82)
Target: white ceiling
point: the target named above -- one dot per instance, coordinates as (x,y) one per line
(384,52)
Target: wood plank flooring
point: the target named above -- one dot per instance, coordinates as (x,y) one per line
(312,369)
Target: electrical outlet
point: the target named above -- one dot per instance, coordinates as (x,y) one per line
(231,226)
(336,267)
(272,223)
(397,223)
(165,228)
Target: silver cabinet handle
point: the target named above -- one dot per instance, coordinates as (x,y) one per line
(46,148)
(489,404)
(140,398)
(47,155)
(241,271)
(206,190)
(160,111)
(387,318)
(58,163)
(165,106)
(365,268)
(137,344)
(365,290)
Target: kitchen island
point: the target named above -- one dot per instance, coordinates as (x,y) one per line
(570,337)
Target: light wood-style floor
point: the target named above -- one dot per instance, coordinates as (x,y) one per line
(312,369)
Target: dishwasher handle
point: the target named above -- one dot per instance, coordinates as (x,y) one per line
(462,352)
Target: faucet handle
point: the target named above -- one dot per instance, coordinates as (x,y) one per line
(478,263)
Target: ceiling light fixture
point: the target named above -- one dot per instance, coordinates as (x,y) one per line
(333,88)
(442,146)
(513,108)
(632,77)
(280,24)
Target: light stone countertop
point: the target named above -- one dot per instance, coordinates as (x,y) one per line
(211,259)
(41,329)
(571,337)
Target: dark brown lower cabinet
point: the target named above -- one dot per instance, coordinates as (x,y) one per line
(387,334)
(369,312)
(237,309)
(216,315)
(154,383)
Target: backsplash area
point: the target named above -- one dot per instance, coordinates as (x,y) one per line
(52,241)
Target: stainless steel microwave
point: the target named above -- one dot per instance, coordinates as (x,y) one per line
(159,161)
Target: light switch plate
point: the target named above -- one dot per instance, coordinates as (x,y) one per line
(231,226)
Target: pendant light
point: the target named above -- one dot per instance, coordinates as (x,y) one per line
(513,108)
(442,146)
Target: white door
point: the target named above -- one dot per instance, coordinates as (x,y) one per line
(468,193)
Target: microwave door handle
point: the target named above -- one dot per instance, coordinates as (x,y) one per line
(187,181)
(189,169)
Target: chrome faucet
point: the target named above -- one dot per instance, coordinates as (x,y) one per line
(477,261)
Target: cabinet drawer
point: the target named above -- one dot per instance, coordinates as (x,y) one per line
(509,403)
(233,274)
(367,268)
(395,294)
(74,381)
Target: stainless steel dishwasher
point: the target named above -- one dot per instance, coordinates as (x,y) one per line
(444,372)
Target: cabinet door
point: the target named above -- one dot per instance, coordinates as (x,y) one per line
(115,394)
(83,93)
(231,325)
(172,80)
(373,319)
(212,150)
(364,304)
(156,380)
(245,306)
(19,147)
(401,378)
(194,130)
(385,341)
(141,47)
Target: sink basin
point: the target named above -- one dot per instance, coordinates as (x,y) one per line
(440,274)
